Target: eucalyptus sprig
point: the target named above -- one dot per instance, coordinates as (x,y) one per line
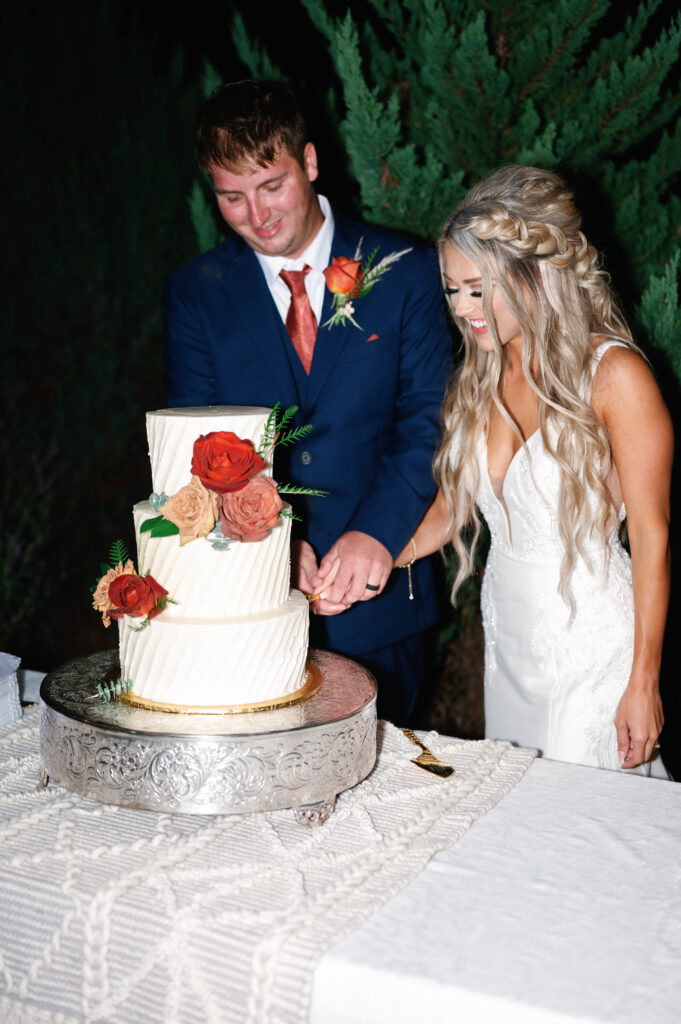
(112,689)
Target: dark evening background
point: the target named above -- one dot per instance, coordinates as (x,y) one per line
(100,103)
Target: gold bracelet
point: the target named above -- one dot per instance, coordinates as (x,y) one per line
(408,565)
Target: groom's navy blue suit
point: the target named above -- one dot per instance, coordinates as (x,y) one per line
(373,396)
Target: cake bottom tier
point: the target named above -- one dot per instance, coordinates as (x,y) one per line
(231,661)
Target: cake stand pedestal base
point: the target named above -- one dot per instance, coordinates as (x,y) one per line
(300,756)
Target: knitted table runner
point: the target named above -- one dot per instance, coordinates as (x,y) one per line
(119,916)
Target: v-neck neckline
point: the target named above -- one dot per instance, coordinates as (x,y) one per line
(515,455)
(499,498)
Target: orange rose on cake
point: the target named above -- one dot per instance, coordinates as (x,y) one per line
(194,510)
(224,462)
(250,513)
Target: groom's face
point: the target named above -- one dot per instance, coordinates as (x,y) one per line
(274,208)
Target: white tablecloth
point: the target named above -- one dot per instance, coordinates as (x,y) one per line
(119,916)
(563,904)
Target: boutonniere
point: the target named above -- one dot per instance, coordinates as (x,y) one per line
(351,279)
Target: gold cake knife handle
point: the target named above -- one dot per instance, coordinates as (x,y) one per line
(427,759)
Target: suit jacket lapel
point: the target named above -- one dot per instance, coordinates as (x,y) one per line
(252,303)
(332,340)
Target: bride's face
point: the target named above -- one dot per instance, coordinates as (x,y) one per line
(463,288)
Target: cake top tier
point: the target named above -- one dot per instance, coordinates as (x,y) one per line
(172,433)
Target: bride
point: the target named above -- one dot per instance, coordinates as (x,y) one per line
(555,431)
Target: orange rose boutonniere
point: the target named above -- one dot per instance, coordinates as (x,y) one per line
(351,279)
(341,276)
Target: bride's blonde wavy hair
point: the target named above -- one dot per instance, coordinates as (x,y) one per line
(522,231)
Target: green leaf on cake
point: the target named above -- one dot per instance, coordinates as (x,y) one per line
(138,629)
(297,434)
(159,526)
(117,553)
(270,432)
(289,514)
(277,421)
(294,489)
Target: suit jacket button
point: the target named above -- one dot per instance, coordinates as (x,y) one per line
(306,458)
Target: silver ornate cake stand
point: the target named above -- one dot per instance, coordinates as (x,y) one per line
(300,756)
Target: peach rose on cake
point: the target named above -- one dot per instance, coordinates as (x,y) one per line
(137,596)
(342,277)
(249,514)
(101,601)
(224,462)
(194,510)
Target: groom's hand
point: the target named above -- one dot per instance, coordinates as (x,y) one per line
(304,570)
(363,560)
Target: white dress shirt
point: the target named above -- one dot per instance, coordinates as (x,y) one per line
(317,255)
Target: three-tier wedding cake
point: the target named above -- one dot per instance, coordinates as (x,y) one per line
(210,618)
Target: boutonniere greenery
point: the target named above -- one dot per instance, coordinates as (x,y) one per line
(350,279)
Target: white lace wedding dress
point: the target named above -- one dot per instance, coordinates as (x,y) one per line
(551,683)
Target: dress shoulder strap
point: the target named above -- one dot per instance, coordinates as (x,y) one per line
(600,351)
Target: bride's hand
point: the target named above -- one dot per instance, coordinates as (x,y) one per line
(638,722)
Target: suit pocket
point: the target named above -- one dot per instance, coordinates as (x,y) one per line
(361,350)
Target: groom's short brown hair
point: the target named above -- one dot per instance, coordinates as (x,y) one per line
(249,122)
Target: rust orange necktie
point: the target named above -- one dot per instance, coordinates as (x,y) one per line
(301,323)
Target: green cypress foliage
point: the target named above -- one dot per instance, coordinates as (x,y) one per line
(438,93)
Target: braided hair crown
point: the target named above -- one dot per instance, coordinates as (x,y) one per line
(526,211)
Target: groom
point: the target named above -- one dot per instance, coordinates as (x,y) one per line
(251,322)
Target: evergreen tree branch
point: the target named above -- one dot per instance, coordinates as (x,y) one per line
(611,52)
(254,56)
(660,313)
(570,42)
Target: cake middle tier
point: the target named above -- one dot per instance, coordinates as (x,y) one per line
(243,579)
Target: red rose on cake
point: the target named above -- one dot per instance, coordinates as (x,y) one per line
(224,462)
(249,514)
(137,596)
(101,601)
(342,276)
(194,510)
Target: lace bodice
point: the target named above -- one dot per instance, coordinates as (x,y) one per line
(521,510)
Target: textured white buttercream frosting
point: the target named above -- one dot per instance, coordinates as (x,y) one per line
(243,579)
(238,634)
(172,432)
(202,661)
